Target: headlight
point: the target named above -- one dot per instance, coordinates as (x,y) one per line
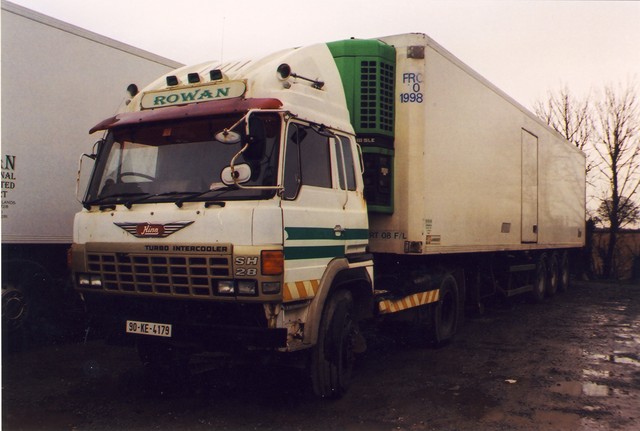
(226,287)
(90,280)
(246,287)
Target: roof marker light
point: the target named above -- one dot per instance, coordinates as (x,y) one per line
(193,78)
(172,80)
(215,74)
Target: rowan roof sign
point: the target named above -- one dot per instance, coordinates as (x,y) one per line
(193,94)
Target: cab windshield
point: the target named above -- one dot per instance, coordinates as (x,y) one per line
(182,161)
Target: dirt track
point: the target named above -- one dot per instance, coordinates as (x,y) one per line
(572,363)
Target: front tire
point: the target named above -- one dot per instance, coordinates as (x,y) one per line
(333,356)
(447,312)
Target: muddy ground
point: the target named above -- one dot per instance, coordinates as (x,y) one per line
(572,363)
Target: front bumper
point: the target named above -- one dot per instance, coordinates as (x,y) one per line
(204,326)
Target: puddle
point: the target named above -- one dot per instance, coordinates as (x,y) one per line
(625,360)
(595,390)
(596,373)
(617,358)
(577,389)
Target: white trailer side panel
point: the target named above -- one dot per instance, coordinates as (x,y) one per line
(57,82)
(474,171)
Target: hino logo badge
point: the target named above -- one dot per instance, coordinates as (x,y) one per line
(150,230)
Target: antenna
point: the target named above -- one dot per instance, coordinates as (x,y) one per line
(224,18)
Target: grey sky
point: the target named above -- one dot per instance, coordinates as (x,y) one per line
(525,48)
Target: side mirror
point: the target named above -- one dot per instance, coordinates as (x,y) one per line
(92,157)
(240,174)
(228,137)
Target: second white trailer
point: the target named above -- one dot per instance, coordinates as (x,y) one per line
(57,81)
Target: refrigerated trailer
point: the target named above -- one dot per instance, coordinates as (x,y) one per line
(53,75)
(279,204)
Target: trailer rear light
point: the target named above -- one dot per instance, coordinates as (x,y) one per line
(272,262)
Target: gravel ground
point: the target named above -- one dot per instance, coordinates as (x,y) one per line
(571,363)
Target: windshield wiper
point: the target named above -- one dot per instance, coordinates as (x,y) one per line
(130,203)
(88,204)
(220,188)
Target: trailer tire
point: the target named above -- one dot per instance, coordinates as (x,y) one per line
(447,311)
(553,275)
(564,276)
(541,281)
(26,289)
(333,356)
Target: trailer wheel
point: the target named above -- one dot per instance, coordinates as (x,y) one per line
(553,275)
(24,296)
(541,280)
(333,356)
(447,311)
(564,280)
(14,308)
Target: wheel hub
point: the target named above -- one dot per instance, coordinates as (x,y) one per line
(14,308)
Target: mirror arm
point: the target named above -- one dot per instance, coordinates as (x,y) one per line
(244,148)
(232,166)
(235,177)
(82,156)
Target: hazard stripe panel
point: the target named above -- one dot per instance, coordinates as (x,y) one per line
(300,290)
(388,306)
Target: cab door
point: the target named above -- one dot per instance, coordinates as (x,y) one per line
(314,207)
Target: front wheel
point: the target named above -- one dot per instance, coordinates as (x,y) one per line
(333,355)
(447,312)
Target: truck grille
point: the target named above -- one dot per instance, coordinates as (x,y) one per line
(181,275)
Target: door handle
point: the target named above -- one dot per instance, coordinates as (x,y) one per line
(338,230)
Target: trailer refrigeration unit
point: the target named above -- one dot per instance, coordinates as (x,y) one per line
(278,204)
(53,74)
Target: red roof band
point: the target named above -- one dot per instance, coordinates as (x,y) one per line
(194,110)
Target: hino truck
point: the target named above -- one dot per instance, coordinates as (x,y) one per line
(281,203)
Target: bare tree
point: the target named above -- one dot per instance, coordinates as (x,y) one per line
(569,116)
(608,131)
(617,146)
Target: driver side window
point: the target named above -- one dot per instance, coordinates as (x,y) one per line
(307,160)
